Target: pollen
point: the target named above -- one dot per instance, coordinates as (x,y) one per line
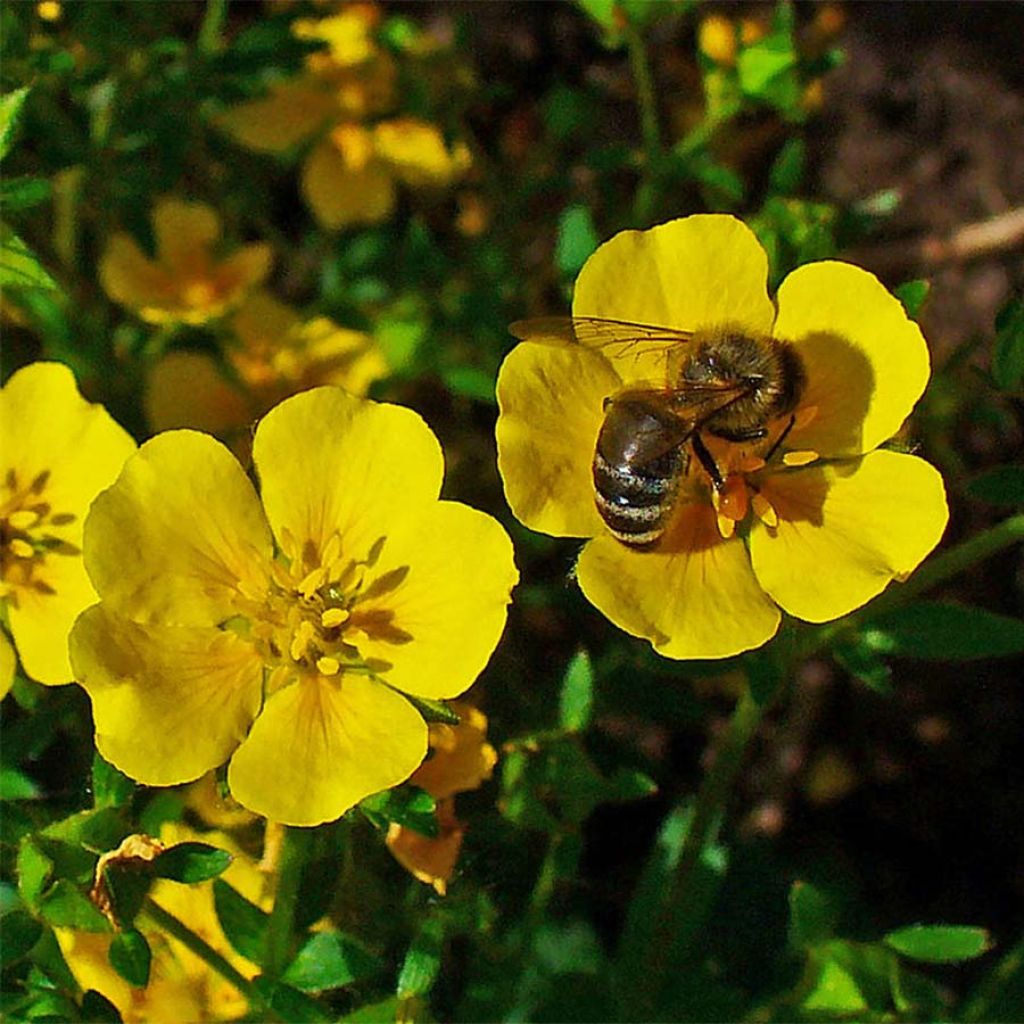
(800,458)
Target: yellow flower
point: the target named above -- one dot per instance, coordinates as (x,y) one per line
(462,760)
(58,453)
(181,986)
(274,353)
(351,173)
(818,529)
(291,660)
(187,282)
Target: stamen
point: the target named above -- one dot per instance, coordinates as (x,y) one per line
(328,666)
(332,617)
(726,526)
(23,519)
(20,548)
(312,582)
(301,638)
(750,464)
(764,510)
(733,501)
(800,458)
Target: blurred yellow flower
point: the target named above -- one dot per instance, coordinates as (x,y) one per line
(273,353)
(187,282)
(212,643)
(812,518)
(181,985)
(351,173)
(58,453)
(461,760)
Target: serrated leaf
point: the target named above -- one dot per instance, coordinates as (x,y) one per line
(576,240)
(21,931)
(289,1003)
(913,295)
(34,871)
(946,631)
(423,961)
(1001,485)
(576,699)
(1008,351)
(19,266)
(130,956)
(939,943)
(812,917)
(10,111)
(407,806)
(191,862)
(330,960)
(244,924)
(65,906)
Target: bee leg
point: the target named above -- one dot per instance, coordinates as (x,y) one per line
(782,437)
(748,434)
(707,460)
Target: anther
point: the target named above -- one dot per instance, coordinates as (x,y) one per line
(332,617)
(800,458)
(327,666)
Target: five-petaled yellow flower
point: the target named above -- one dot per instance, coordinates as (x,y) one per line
(818,529)
(189,281)
(58,453)
(283,636)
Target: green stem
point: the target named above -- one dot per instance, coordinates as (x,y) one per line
(280,928)
(213,24)
(168,923)
(701,833)
(937,570)
(640,65)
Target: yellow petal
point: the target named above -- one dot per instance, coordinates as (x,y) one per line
(169,702)
(430,860)
(348,33)
(700,271)
(180,534)
(846,530)
(551,402)
(340,194)
(417,152)
(698,601)
(188,389)
(243,269)
(8,665)
(132,279)
(439,597)
(866,360)
(329,462)
(184,233)
(461,758)
(290,112)
(319,747)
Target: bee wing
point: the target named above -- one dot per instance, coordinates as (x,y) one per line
(618,337)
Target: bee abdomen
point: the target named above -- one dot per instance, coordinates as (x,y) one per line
(634,506)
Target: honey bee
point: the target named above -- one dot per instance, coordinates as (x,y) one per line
(727,383)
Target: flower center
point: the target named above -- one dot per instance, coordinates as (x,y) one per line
(319,609)
(27,537)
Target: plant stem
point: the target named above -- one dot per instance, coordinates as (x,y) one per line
(707,816)
(937,570)
(280,928)
(640,65)
(168,923)
(213,24)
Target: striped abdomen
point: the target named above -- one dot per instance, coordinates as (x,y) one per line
(639,459)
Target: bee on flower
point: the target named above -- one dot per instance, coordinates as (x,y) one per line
(287,634)
(59,451)
(721,451)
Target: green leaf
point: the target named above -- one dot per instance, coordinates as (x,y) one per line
(434,710)
(913,294)
(423,961)
(576,700)
(130,956)
(97,1008)
(244,924)
(110,788)
(939,943)
(1008,352)
(470,382)
(812,917)
(848,979)
(383,1012)
(330,960)
(23,193)
(19,266)
(1000,994)
(128,886)
(1001,485)
(940,630)
(864,664)
(34,871)
(21,931)
(787,173)
(577,239)
(406,805)
(16,786)
(10,111)
(191,862)
(289,1003)
(65,906)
